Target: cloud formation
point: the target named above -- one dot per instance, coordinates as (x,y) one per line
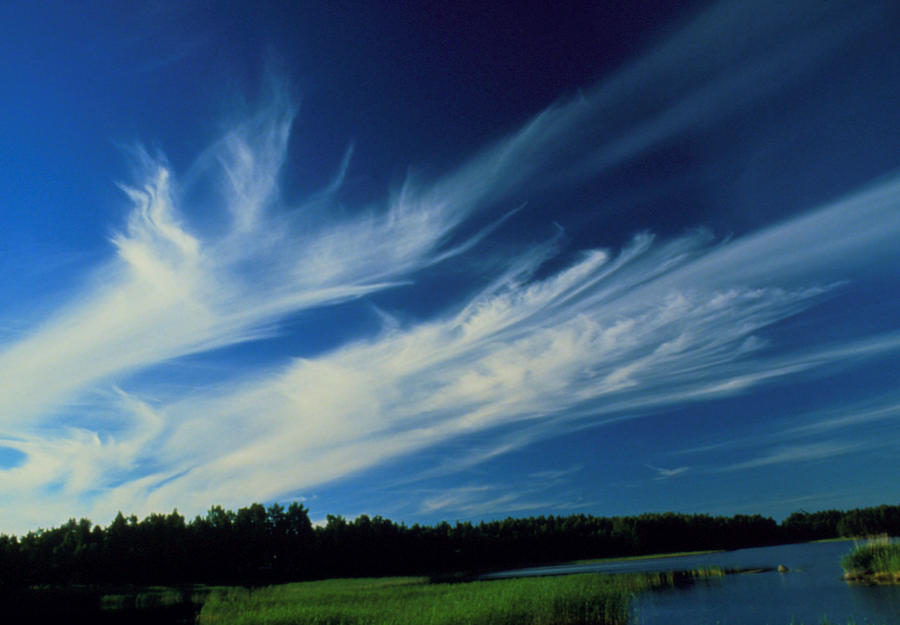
(554,341)
(611,335)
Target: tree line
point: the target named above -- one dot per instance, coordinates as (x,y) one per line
(259,544)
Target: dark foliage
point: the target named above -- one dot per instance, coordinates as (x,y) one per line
(259,544)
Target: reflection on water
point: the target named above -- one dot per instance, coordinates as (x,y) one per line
(876,600)
(811,590)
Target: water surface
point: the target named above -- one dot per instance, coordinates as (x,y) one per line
(811,590)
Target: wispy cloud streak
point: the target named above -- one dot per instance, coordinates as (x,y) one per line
(852,427)
(610,335)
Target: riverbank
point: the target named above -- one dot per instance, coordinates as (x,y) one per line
(653,556)
(573,599)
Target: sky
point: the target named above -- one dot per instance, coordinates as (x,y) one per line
(448,261)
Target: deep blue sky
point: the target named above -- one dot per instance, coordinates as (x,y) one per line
(448,262)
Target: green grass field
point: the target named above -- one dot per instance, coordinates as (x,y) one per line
(877,561)
(564,600)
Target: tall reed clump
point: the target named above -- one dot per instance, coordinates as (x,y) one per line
(566,600)
(876,560)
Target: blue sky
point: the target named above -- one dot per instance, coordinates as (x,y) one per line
(454,262)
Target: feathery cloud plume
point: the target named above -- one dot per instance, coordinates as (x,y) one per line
(609,335)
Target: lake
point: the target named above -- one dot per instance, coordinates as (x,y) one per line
(810,591)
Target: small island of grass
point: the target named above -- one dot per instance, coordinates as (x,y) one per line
(875,561)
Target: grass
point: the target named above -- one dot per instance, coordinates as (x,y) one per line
(875,561)
(589,599)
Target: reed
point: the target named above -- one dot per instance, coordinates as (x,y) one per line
(875,561)
(589,599)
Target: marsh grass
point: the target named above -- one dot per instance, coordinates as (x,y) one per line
(875,561)
(564,600)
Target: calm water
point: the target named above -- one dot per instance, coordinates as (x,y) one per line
(811,591)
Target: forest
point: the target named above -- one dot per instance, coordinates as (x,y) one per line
(269,544)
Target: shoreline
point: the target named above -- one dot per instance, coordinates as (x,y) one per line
(652,556)
(883,578)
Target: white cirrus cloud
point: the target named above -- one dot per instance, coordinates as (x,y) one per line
(611,335)
(543,346)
